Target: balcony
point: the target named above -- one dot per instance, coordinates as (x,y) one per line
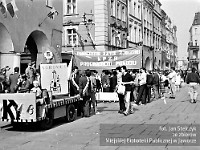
(193,47)
(194,60)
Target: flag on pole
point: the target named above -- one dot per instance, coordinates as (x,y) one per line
(3,8)
(12,8)
(69,68)
(52,13)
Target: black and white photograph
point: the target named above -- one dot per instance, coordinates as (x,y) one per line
(99,74)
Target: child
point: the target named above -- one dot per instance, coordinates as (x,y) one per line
(36,89)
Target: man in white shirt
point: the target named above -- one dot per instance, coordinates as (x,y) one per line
(172,80)
(142,86)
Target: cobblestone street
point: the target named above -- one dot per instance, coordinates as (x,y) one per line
(84,132)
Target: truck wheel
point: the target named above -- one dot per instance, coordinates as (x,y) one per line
(48,121)
(71,113)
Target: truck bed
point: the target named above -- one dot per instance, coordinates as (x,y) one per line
(63,100)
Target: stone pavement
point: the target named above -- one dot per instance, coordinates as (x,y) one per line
(84,133)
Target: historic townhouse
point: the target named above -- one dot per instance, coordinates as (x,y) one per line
(193,45)
(157,18)
(106,25)
(147,22)
(135,23)
(95,25)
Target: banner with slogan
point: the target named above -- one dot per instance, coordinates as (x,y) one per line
(106,60)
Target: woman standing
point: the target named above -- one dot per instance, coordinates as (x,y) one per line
(193,80)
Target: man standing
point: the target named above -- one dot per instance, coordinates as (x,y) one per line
(84,90)
(106,81)
(30,73)
(93,92)
(142,89)
(74,81)
(149,85)
(172,80)
(122,107)
(127,80)
(13,80)
(156,80)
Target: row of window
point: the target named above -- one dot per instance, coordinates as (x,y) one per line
(120,11)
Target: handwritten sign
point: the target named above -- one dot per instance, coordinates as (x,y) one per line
(54,78)
(109,59)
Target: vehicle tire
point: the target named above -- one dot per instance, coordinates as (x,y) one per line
(47,123)
(70,113)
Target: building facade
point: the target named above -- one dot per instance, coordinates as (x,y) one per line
(106,25)
(95,25)
(193,45)
(28,30)
(157,36)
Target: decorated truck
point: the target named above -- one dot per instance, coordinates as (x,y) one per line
(56,100)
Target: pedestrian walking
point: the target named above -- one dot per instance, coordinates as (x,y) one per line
(193,80)
(172,79)
(178,81)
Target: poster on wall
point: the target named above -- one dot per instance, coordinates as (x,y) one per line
(20,106)
(107,60)
(54,78)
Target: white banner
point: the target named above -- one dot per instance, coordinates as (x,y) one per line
(54,78)
(18,106)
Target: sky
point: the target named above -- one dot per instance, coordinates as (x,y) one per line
(182,13)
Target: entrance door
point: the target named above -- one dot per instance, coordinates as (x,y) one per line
(29,55)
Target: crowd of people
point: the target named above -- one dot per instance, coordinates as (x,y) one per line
(20,83)
(141,86)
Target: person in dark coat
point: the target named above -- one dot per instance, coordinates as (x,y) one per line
(13,80)
(74,82)
(156,80)
(24,85)
(106,81)
(84,91)
(193,80)
(149,85)
(113,82)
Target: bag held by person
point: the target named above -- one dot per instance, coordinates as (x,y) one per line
(121,89)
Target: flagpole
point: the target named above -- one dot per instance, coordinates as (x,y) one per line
(42,21)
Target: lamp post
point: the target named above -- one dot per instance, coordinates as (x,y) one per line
(142,30)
